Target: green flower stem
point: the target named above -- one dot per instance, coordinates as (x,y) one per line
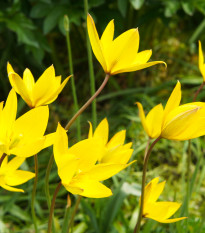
(48,198)
(2,158)
(198,91)
(189,157)
(52,207)
(33,197)
(74,212)
(88,102)
(70,60)
(146,159)
(91,70)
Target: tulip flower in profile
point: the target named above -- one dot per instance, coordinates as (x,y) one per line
(113,151)
(42,92)
(77,166)
(24,136)
(121,54)
(175,122)
(201,61)
(158,211)
(10,176)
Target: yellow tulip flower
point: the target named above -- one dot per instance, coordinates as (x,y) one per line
(158,211)
(77,166)
(175,122)
(201,61)
(121,54)
(23,136)
(10,176)
(114,151)
(35,94)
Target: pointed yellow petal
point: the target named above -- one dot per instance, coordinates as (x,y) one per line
(18,177)
(117,139)
(124,50)
(49,139)
(102,172)
(31,125)
(142,117)
(169,220)
(174,99)
(18,85)
(11,188)
(87,151)
(161,210)
(28,79)
(52,96)
(8,116)
(154,121)
(14,164)
(137,67)
(95,42)
(156,190)
(28,149)
(102,131)
(90,134)
(91,188)
(201,61)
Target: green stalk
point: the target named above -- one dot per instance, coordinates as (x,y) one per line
(91,70)
(34,194)
(52,207)
(74,213)
(70,60)
(146,159)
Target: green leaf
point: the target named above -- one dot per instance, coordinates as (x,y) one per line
(122,6)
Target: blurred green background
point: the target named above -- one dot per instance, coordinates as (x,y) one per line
(32,35)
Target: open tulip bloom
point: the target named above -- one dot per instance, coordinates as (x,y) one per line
(158,211)
(43,92)
(77,166)
(10,176)
(24,136)
(121,54)
(201,61)
(175,121)
(114,151)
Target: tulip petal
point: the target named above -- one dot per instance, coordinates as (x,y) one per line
(142,117)
(14,164)
(137,67)
(95,42)
(201,61)
(102,131)
(11,188)
(154,121)
(124,50)
(31,125)
(169,220)
(18,85)
(8,116)
(18,177)
(90,134)
(91,188)
(104,171)
(29,81)
(117,139)
(174,99)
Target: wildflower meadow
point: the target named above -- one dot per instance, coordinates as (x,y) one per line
(102,116)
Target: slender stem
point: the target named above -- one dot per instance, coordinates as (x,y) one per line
(2,158)
(47,192)
(74,212)
(88,102)
(146,159)
(33,197)
(52,207)
(147,147)
(70,60)
(188,176)
(198,91)
(91,70)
